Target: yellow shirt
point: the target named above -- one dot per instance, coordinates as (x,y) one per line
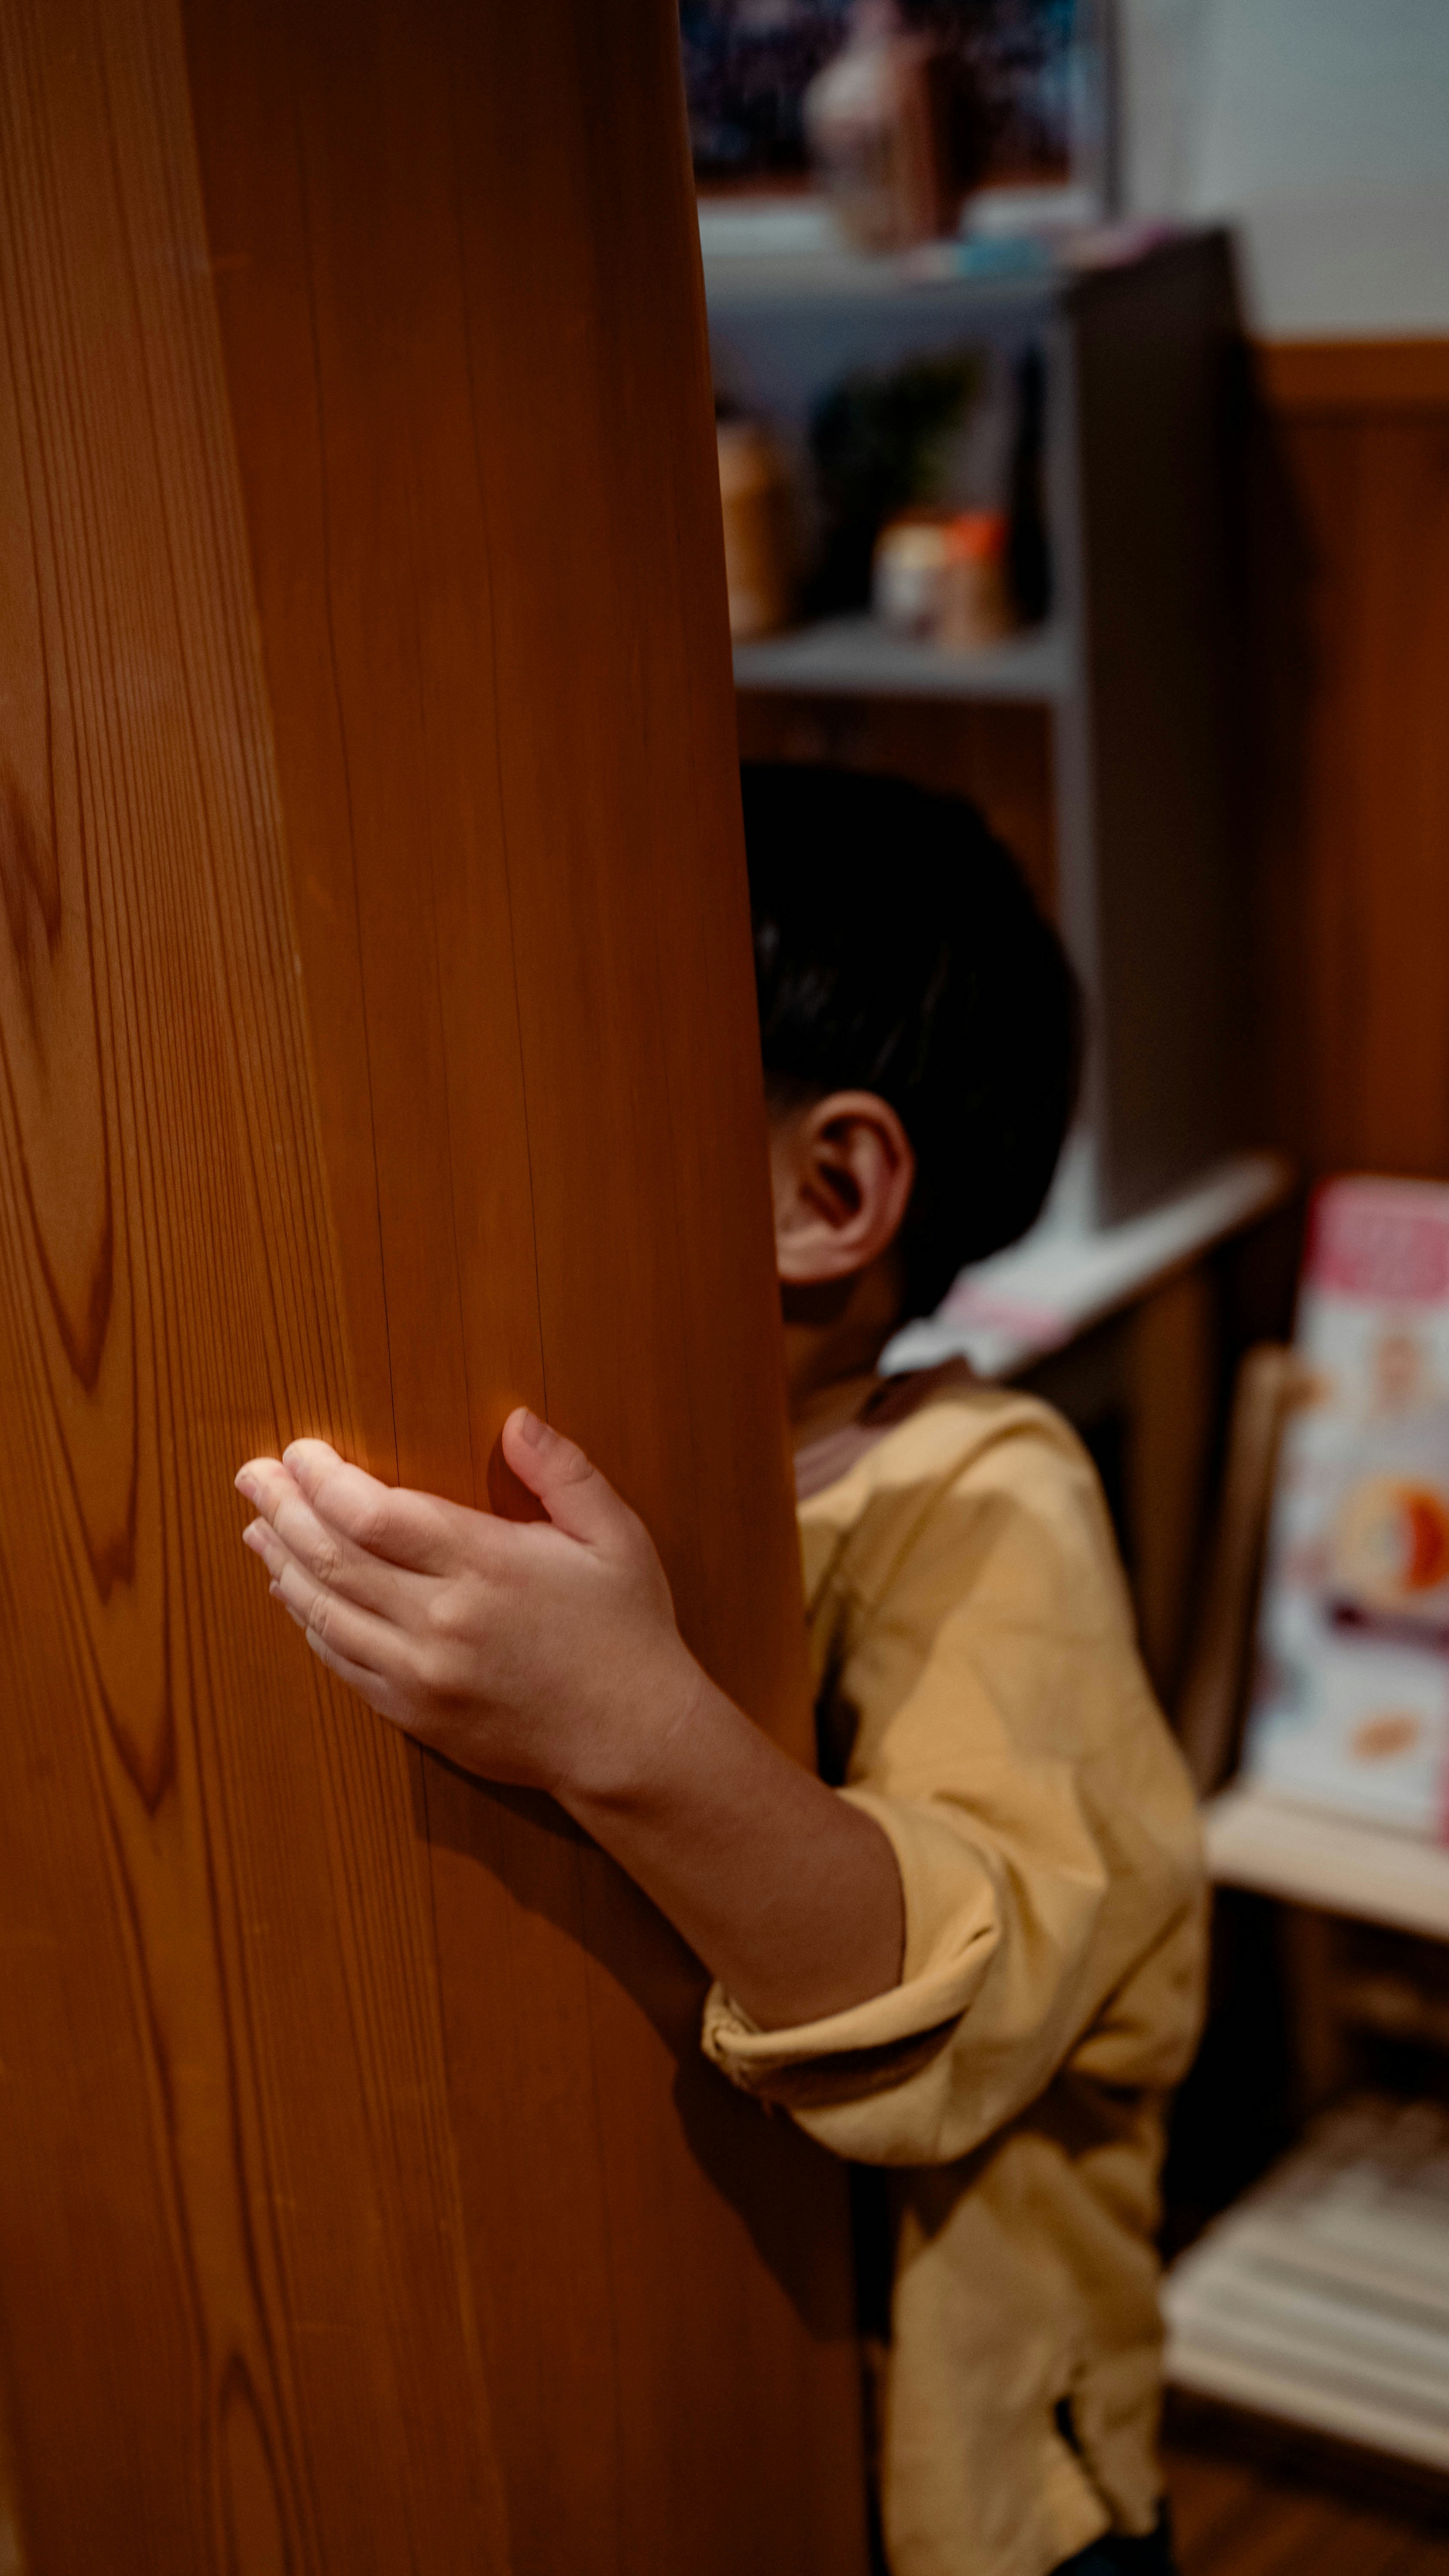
(979,1693)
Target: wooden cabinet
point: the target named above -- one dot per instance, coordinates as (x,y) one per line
(377,1043)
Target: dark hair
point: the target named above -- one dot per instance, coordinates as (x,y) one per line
(898,950)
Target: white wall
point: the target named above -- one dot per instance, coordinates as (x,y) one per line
(1320,128)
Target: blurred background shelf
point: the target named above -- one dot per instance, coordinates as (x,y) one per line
(1327,1862)
(855,656)
(1322,2297)
(1067,1276)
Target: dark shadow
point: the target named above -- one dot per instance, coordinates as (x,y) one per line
(1235,2113)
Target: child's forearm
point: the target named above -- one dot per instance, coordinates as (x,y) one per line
(790,1895)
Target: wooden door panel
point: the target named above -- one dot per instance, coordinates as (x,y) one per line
(223,2063)
(630,1012)
(375,1051)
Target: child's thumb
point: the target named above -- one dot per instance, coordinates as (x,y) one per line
(577,1499)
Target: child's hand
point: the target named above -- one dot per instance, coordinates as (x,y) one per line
(544,1653)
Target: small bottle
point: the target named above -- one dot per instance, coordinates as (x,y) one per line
(908,574)
(754,500)
(939,577)
(877,120)
(975,599)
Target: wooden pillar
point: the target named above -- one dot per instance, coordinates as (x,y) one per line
(376,1051)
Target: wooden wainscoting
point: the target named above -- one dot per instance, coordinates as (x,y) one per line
(1350,583)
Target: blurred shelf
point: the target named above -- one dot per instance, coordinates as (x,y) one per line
(1322,2297)
(1004,279)
(1067,1275)
(1313,1858)
(856,657)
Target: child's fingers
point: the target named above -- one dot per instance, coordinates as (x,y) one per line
(578,1500)
(415,1531)
(368,1686)
(289,1531)
(264,1542)
(359,1636)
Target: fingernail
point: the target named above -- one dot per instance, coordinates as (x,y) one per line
(252,1536)
(299,1455)
(247,1486)
(531,1429)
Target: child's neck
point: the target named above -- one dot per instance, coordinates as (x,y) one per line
(835,1332)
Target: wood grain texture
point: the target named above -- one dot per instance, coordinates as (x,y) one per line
(1351,575)
(233,2247)
(378,1050)
(1248,2500)
(1355,375)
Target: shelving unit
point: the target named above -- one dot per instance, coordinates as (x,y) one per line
(1326,1861)
(856,657)
(1322,2297)
(1102,745)
(1062,1279)
(1133,675)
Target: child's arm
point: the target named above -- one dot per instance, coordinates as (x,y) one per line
(545,1653)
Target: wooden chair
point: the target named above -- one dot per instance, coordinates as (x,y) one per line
(1211,1702)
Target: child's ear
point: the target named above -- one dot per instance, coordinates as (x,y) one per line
(843,1171)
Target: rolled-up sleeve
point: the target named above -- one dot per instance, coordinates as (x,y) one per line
(987,1687)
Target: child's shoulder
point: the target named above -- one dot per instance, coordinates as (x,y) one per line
(922,1433)
(935,1456)
(972,1537)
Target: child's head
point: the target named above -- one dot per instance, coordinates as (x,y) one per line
(901,960)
